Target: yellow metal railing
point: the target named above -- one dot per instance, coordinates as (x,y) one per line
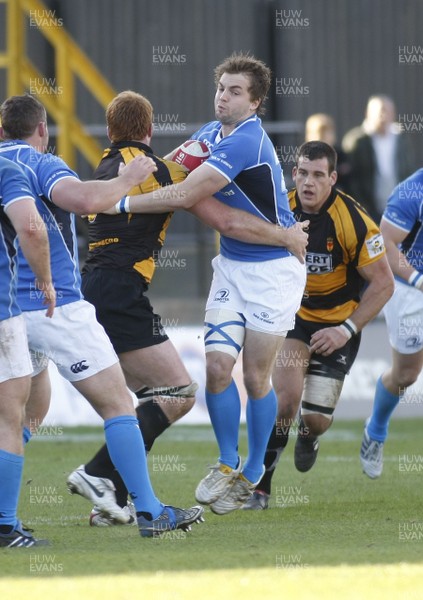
(58,93)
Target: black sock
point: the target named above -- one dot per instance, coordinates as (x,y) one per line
(6,529)
(101,466)
(146,515)
(152,421)
(276,444)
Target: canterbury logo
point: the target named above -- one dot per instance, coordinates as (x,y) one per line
(79,367)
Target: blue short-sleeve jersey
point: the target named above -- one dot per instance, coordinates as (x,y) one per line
(405,210)
(43,172)
(248,160)
(14,186)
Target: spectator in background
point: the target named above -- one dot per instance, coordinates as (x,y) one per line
(378,154)
(321,127)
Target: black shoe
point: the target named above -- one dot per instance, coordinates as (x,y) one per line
(20,537)
(169,519)
(305,454)
(258,501)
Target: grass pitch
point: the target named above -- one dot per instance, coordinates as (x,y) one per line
(330,533)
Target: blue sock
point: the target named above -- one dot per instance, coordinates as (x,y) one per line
(225,413)
(27,435)
(11,467)
(261,418)
(126,448)
(383,406)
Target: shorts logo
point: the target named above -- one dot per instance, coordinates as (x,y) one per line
(342,359)
(79,367)
(221,295)
(413,342)
(264,317)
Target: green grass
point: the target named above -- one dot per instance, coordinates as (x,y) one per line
(335,520)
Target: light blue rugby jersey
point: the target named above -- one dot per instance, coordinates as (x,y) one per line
(248,160)
(405,210)
(43,172)
(14,186)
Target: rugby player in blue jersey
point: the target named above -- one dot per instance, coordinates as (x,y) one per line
(20,223)
(402,230)
(74,340)
(256,288)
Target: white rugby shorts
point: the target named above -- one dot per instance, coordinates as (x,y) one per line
(73,339)
(15,360)
(267,294)
(404,319)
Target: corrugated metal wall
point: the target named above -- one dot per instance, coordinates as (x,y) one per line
(336,52)
(347,51)
(164,49)
(326,55)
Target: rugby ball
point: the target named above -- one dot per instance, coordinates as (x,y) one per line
(191,154)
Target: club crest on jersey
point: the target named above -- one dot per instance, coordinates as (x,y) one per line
(318,264)
(329,244)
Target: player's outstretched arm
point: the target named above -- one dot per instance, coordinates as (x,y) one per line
(33,240)
(85,197)
(241,225)
(201,183)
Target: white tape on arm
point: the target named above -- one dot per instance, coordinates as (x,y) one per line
(416,279)
(123,205)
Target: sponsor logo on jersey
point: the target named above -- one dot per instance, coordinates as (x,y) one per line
(375,245)
(318,264)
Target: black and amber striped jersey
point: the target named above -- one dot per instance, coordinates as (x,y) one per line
(130,242)
(342,238)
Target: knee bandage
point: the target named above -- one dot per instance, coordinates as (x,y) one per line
(322,388)
(181,391)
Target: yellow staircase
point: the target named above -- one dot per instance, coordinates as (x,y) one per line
(58,94)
